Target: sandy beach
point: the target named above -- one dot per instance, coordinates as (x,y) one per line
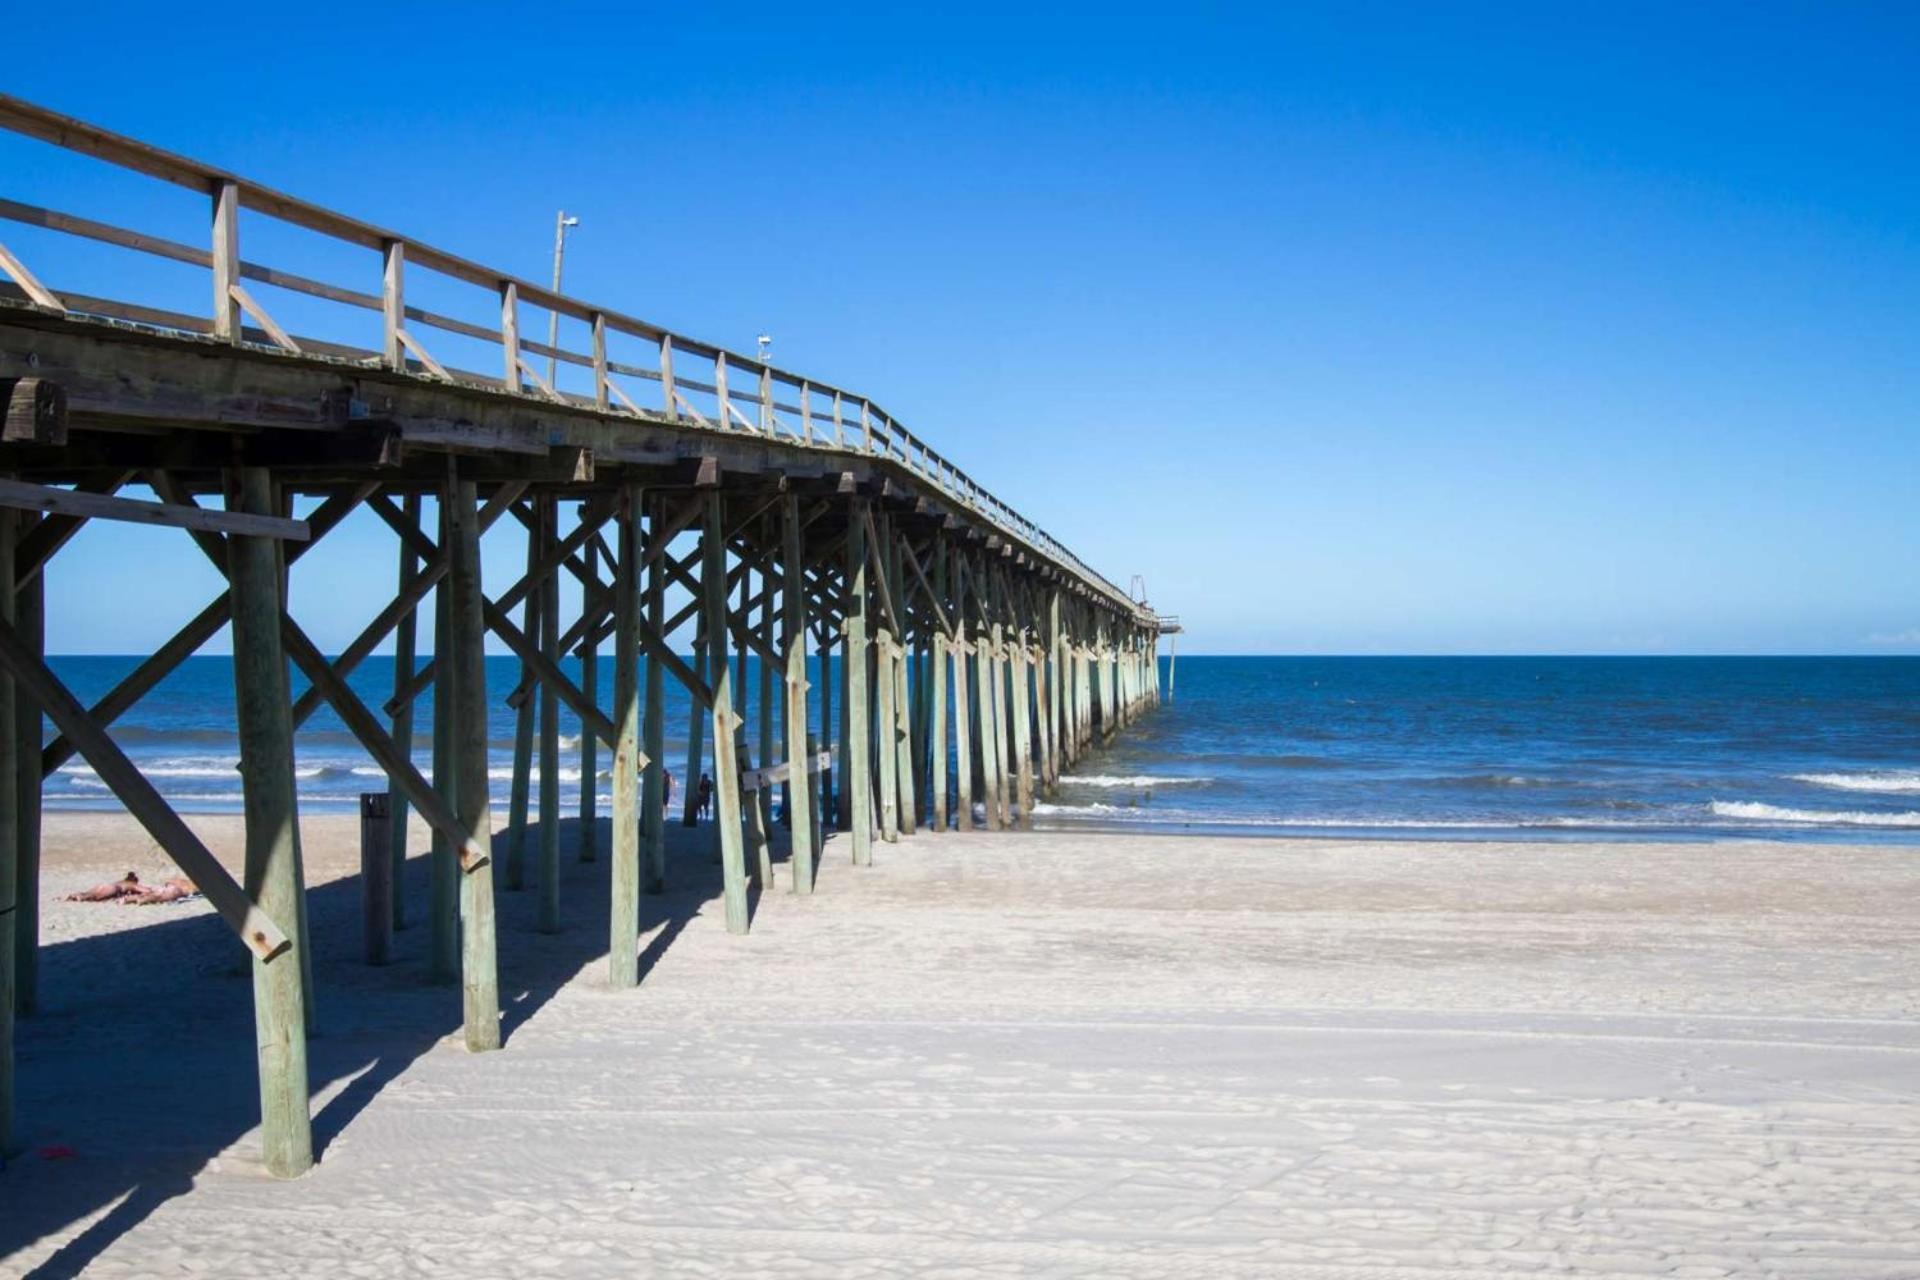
(1061,1055)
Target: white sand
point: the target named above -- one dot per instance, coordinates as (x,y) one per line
(1057,1055)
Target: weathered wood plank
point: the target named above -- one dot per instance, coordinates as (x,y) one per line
(22,496)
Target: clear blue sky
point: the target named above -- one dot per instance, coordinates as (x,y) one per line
(1352,328)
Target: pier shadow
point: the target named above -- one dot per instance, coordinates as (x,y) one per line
(139,1074)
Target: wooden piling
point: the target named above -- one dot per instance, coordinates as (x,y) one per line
(589,744)
(443,960)
(655,719)
(696,754)
(11,748)
(623,940)
(997,680)
(858,759)
(887,725)
(937,731)
(989,732)
(770,753)
(1022,713)
(405,660)
(726,769)
(903,767)
(842,786)
(514,873)
(829,776)
(376,877)
(264,719)
(547,913)
(801,809)
(479,972)
(29,624)
(962,735)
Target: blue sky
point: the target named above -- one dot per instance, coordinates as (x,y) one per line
(1352,328)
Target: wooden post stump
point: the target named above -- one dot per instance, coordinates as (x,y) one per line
(376,877)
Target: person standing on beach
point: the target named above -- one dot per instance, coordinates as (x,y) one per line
(666,777)
(706,796)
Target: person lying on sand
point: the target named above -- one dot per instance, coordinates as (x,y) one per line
(110,890)
(171,891)
(129,890)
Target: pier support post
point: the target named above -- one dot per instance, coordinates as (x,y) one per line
(937,734)
(962,725)
(1002,785)
(887,726)
(443,958)
(11,747)
(655,727)
(1043,716)
(857,813)
(829,776)
(264,719)
(479,970)
(1023,727)
(548,911)
(726,768)
(405,661)
(842,784)
(623,940)
(989,723)
(514,875)
(589,744)
(765,739)
(30,625)
(937,707)
(696,724)
(804,846)
(903,765)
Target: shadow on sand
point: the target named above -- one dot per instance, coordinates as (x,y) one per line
(139,1075)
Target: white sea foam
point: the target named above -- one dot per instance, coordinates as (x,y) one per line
(499,774)
(1182,817)
(1889,781)
(1136,780)
(1753,811)
(163,769)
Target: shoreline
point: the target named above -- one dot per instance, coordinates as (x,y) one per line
(1048,1053)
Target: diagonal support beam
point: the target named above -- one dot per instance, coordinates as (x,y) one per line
(928,593)
(260,934)
(550,675)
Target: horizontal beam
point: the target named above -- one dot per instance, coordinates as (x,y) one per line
(99,506)
(754,779)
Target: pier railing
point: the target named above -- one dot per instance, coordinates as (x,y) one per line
(676,378)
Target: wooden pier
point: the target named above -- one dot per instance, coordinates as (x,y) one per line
(691,491)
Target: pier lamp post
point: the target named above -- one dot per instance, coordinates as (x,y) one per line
(562,224)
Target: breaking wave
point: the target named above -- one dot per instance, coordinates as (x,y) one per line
(1891,782)
(1136,780)
(1752,811)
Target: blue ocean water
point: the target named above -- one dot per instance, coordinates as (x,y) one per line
(1618,748)
(1521,748)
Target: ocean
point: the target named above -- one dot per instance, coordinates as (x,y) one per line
(1465,748)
